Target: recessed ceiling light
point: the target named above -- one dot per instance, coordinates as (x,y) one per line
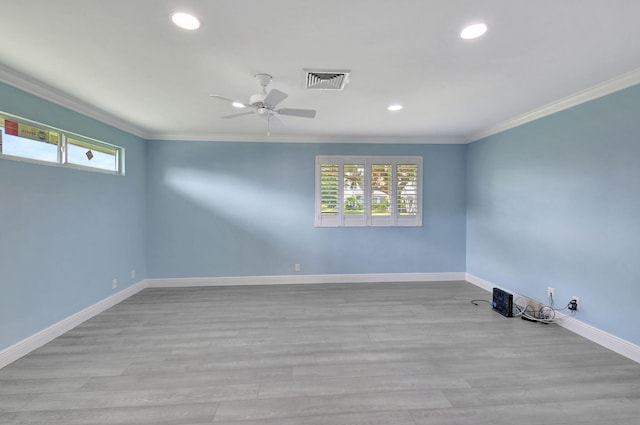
(185,20)
(239,105)
(473,31)
(394,107)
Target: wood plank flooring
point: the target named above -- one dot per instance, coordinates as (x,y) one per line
(347,354)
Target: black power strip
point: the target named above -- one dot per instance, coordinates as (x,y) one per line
(503,302)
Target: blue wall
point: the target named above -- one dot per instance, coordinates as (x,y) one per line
(65,233)
(247,209)
(551,203)
(556,202)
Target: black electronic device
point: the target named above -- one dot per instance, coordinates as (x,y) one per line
(503,302)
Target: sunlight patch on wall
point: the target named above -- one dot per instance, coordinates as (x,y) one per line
(271,214)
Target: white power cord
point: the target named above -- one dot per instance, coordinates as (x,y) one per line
(523,311)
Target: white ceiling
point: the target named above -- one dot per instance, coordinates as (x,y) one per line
(124,62)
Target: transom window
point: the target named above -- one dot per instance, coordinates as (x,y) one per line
(368,191)
(24,139)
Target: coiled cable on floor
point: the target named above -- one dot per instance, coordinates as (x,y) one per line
(546,313)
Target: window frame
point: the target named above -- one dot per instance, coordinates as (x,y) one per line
(367,219)
(63,138)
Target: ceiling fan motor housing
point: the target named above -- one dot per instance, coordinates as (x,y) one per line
(257,99)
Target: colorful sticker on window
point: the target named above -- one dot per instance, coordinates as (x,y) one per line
(29,132)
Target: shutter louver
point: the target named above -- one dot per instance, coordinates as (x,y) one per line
(353,193)
(329,189)
(381,190)
(407,190)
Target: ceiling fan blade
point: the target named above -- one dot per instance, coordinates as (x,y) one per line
(216,96)
(238,115)
(274,97)
(226,99)
(304,113)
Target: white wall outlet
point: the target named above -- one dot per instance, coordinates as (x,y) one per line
(133,274)
(551,293)
(114,283)
(297,267)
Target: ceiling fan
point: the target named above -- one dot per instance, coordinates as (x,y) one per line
(264,104)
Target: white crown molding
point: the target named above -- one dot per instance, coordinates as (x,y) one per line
(37,88)
(287,138)
(305,279)
(611,86)
(600,337)
(27,345)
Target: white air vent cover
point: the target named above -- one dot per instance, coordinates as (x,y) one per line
(325,80)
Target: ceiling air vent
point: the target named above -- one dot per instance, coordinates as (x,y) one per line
(325,80)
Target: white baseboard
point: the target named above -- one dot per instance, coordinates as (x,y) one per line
(24,347)
(304,279)
(605,339)
(481,283)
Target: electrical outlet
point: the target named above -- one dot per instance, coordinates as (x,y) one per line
(114,283)
(574,303)
(551,293)
(297,267)
(133,274)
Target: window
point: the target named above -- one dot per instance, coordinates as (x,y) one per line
(368,191)
(24,139)
(81,151)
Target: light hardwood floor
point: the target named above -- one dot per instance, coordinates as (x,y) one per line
(350,354)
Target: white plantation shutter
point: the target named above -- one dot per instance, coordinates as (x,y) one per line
(406,194)
(353,195)
(328,209)
(381,195)
(368,191)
